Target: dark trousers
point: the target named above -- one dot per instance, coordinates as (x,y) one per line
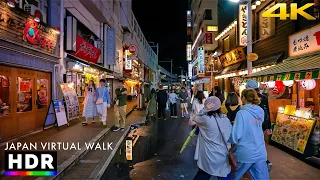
(173,109)
(162,112)
(201,175)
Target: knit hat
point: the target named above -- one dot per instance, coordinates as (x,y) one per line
(212,103)
(252,84)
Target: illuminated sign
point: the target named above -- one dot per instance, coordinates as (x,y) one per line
(212,28)
(195,42)
(200,62)
(128,62)
(188,24)
(242,25)
(190,70)
(189,52)
(232,57)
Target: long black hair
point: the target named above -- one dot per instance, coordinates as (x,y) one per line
(216,113)
(200,96)
(232,99)
(218,89)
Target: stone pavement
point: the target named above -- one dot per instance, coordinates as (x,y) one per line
(74,133)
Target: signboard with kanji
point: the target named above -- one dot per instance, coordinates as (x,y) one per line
(232,57)
(304,42)
(242,25)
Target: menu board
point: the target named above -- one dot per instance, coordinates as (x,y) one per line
(71,100)
(292,132)
(60,112)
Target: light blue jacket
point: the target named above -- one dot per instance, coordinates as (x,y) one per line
(248,136)
(105,96)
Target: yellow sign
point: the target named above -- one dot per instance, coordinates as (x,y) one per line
(294,11)
(212,28)
(232,57)
(252,57)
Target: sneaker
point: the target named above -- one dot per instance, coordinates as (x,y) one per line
(165,119)
(104,123)
(84,123)
(121,129)
(93,121)
(175,116)
(269,166)
(116,129)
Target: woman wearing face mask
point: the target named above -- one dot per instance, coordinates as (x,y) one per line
(248,138)
(89,108)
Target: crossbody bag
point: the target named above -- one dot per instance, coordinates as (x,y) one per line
(100,100)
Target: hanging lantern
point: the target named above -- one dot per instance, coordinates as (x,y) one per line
(279,86)
(308,84)
(271,84)
(288,83)
(11,3)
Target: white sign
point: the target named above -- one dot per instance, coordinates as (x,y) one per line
(242,25)
(190,70)
(189,52)
(129,149)
(201,60)
(266,24)
(307,41)
(128,62)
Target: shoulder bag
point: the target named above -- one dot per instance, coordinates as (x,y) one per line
(232,160)
(100,100)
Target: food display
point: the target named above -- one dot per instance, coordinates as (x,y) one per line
(292,132)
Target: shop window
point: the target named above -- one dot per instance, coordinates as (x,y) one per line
(42,93)
(226,44)
(4,95)
(267,26)
(24,99)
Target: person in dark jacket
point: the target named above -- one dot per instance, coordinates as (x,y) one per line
(264,104)
(218,93)
(162,98)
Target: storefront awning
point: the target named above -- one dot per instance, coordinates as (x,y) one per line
(302,64)
(231,68)
(202,80)
(74,58)
(262,62)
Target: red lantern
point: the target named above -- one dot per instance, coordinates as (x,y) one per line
(308,84)
(279,86)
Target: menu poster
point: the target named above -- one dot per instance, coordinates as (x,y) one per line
(71,100)
(292,132)
(25,86)
(60,112)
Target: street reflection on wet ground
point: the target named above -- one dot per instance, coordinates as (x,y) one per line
(156,154)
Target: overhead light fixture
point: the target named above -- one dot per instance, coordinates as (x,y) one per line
(254,7)
(258,3)
(11,3)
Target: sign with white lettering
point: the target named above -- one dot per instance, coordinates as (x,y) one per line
(200,62)
(242,25)
(111,47)
(190,70)
(128,62)
(189,52)
(304,42)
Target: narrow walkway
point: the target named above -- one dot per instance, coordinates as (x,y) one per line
(76,132)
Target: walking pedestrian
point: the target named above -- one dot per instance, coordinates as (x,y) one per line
(103,101)
(162,98)
(264,104)
(232,106)
(173,103)
(120,107)
(218,93)
(89,103)
(152,104)
(247,136)
(183,101)
(197,106)
(211,149)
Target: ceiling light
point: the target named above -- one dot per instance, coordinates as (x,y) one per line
(258,3)
(253,7)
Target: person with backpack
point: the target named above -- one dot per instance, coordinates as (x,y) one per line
(264,104)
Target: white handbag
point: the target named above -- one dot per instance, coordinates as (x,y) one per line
(100,100)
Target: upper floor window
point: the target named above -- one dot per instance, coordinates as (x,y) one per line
(207,14)
(226,44)
(266,26)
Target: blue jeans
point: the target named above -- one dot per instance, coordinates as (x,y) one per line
(257,171)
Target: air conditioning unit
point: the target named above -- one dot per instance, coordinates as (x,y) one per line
(31,9)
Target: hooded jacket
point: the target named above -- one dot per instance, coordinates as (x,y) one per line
(248,136)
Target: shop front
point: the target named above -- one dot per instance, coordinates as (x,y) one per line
(294,91)
(27,67)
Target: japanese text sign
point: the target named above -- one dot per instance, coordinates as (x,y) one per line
(242,24)
(189,57)
(25,86)
(201,61)
(305,42)
(87,51)
(128,62)
(232,57)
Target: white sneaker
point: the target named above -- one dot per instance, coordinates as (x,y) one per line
(104,123)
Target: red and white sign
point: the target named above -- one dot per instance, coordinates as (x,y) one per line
(209,38)
(86,51)
(132,49)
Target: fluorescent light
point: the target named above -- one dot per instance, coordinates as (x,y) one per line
(234,0)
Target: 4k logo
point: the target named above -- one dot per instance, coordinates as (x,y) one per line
(283,15)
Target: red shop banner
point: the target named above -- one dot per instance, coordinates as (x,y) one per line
(86,51)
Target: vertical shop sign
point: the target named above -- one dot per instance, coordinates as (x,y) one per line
(266,24)
(110,54)
(200,62)
(242,25)
(128,62)
(190,70)
(209,38)
(189,52)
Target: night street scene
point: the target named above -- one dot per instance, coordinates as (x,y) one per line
(159,89)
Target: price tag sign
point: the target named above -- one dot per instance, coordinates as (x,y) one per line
(271,78)
(287,77)
(259,79)
(265,78)
(297,76)
(279,77)
(308,75)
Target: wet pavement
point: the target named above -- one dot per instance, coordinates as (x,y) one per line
(156,156)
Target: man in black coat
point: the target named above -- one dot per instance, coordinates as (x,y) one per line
(162,98)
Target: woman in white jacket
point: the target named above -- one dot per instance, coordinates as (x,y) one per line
(211,151)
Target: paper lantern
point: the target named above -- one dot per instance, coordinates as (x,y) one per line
(308,84)
(288,83)
(271,84)
(279,86)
